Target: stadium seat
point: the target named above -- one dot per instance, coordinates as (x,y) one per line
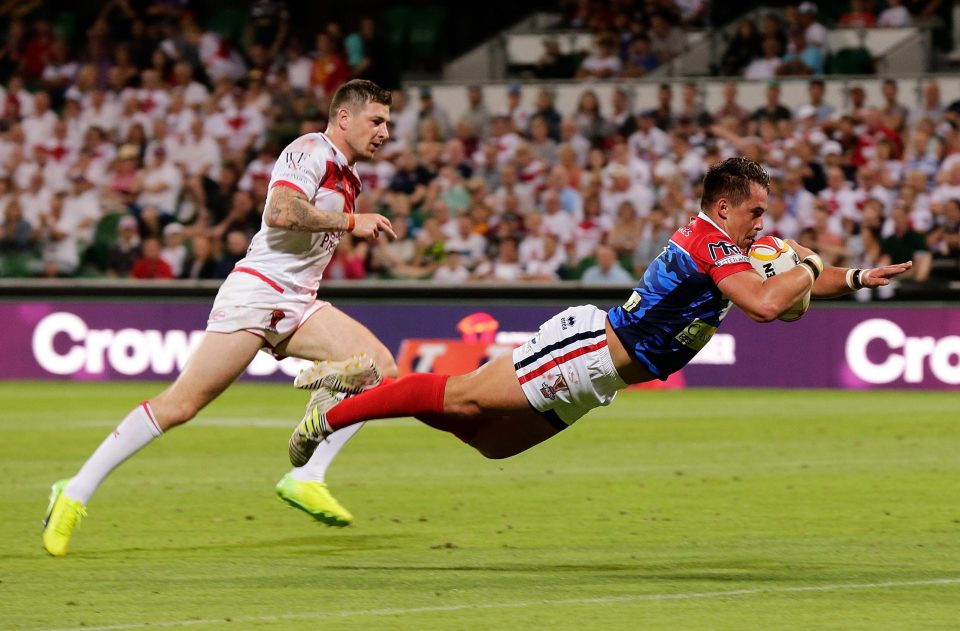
(850,61)
(426,25)
(104,235)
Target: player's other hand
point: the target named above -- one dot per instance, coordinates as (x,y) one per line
(879,276)
(801,251)
(370,225)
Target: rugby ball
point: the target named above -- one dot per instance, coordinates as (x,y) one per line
(770,256)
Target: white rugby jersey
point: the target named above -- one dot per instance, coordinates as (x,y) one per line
(291,260)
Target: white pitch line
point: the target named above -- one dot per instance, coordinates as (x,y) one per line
(519,605)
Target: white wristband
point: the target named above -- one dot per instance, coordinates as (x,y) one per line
(809,272)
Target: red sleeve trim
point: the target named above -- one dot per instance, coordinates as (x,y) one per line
(288,183)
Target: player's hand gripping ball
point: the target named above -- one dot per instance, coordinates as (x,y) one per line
(771,256)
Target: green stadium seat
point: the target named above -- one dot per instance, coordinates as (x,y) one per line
(426,26)
(850,61)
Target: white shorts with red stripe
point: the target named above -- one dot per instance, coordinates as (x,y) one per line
(566,369)
(251,301)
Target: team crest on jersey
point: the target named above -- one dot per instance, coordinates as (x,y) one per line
(550,391)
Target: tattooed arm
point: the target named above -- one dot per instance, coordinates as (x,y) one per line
(289,209)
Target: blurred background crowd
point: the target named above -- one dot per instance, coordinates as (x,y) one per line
(139,142)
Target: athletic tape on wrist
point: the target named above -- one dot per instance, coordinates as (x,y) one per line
(808,270)
(351,222)
(858,277)
(849,279)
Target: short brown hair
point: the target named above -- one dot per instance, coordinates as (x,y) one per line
(356,93)
(731,179)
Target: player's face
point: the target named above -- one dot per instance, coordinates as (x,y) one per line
(745,221)
(368,130)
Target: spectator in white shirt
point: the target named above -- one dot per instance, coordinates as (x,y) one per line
(603,62)
(38,127)
(765,67)
(161,183)
(452,271)
(466,241)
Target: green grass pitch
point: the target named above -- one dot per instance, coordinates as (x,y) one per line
(667,510)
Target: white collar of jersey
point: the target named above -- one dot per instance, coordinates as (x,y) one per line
(703,215)
(341,157)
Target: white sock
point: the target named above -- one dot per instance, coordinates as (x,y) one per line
(131,435)
(316,467)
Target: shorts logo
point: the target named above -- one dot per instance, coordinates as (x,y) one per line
(275,317)
(550,391)
(567,322)
(218,315)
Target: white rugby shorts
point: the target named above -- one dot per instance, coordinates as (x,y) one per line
(566,370)
(250,301)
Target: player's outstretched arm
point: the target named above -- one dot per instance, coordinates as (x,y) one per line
(837,281)
(290,209)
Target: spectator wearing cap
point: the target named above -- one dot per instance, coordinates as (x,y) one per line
(518,114)
(431,110)
(803,58)
(895,15)
(174,247)
(126,249)
(150,265)
(765,66)
(815,32)
(603,62)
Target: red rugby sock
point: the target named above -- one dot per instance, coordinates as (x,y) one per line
(420,394)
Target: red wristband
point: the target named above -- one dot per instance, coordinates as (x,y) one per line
(351,222)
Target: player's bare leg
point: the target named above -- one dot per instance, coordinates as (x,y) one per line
(329,334)
(215,364)
(491,397)
(487,409)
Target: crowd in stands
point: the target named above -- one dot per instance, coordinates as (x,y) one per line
(149,172)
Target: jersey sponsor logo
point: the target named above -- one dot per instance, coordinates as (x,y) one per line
(696,335)
(733,258)
(550,391)
(632,303)
(294,159)
(723,250)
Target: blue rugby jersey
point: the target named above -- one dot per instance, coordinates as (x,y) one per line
(677,307)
